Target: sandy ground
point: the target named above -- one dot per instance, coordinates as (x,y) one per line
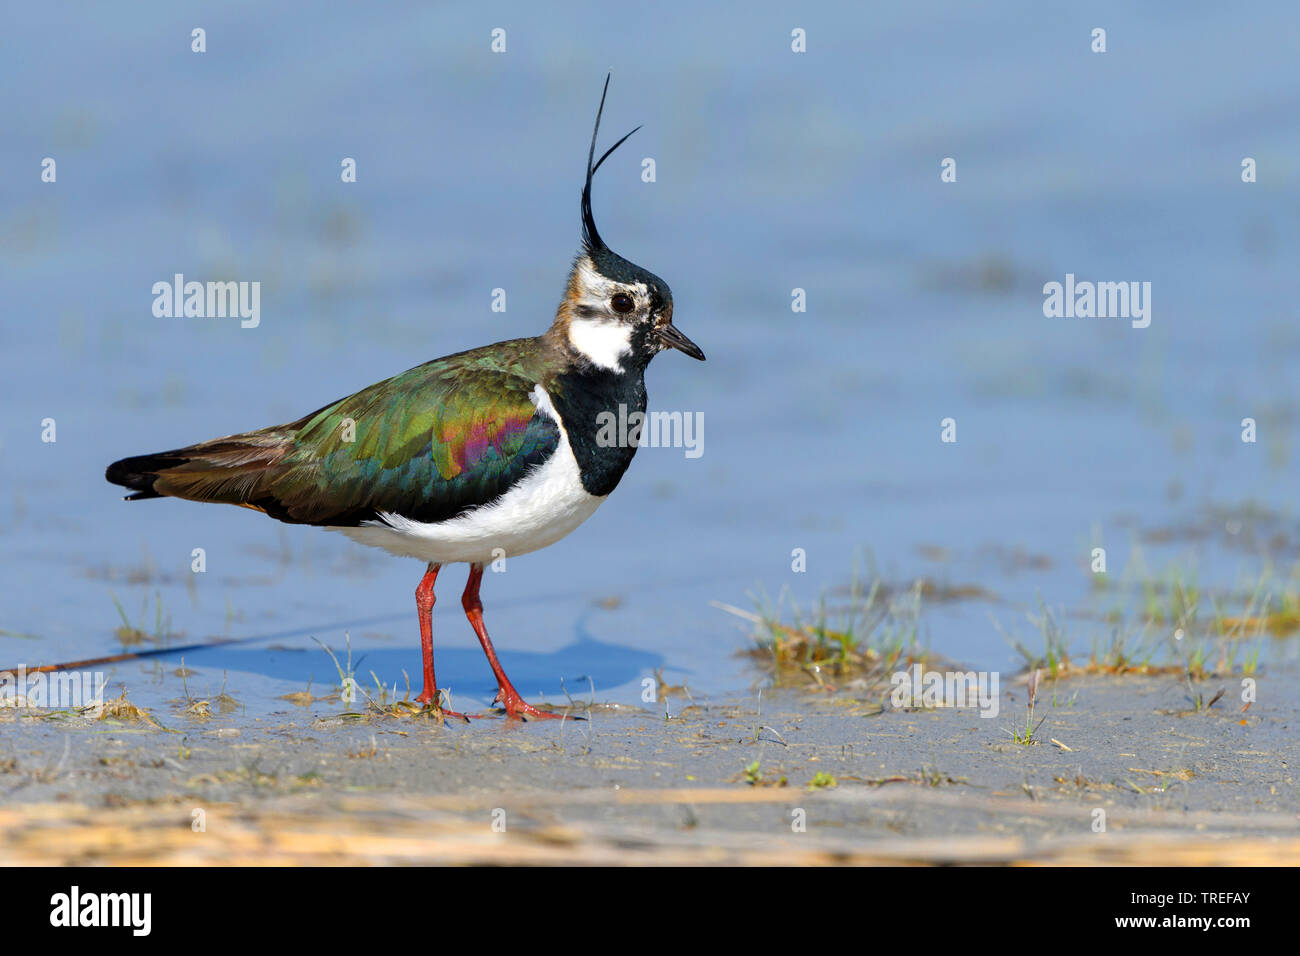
(1170,784)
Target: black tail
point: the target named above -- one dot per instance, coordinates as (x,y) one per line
(139,473)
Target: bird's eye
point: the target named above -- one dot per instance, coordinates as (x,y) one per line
(622,303)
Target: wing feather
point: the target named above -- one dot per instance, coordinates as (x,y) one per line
(429,444)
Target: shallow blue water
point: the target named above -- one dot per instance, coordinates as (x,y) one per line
(774,171)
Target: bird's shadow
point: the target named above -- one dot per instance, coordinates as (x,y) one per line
(582,663)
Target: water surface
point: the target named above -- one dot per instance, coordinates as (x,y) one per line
(775,171)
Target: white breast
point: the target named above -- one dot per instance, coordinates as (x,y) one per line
(542,508)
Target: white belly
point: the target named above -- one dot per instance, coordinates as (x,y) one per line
(547,504)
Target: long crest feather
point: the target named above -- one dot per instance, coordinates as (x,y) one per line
(590,236)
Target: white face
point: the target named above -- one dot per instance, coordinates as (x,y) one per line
(598,330)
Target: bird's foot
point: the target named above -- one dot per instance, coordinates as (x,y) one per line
(517,708)
(433,703)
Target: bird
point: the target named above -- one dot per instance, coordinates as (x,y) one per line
(489,453)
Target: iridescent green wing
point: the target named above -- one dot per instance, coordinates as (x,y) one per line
(428,444)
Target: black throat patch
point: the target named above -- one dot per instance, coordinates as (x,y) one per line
(595,404)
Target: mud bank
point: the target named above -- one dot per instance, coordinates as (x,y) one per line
(1122,770)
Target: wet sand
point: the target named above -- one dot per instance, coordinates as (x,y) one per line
(718,782)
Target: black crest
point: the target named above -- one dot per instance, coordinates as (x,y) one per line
(590,237)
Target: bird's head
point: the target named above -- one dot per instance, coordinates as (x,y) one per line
(615,314)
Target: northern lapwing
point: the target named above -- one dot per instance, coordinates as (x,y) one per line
(485,454)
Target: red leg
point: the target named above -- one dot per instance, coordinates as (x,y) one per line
(507,696)
(424,601)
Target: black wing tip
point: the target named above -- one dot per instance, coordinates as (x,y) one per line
(139,473)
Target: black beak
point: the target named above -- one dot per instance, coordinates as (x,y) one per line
(669,335)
